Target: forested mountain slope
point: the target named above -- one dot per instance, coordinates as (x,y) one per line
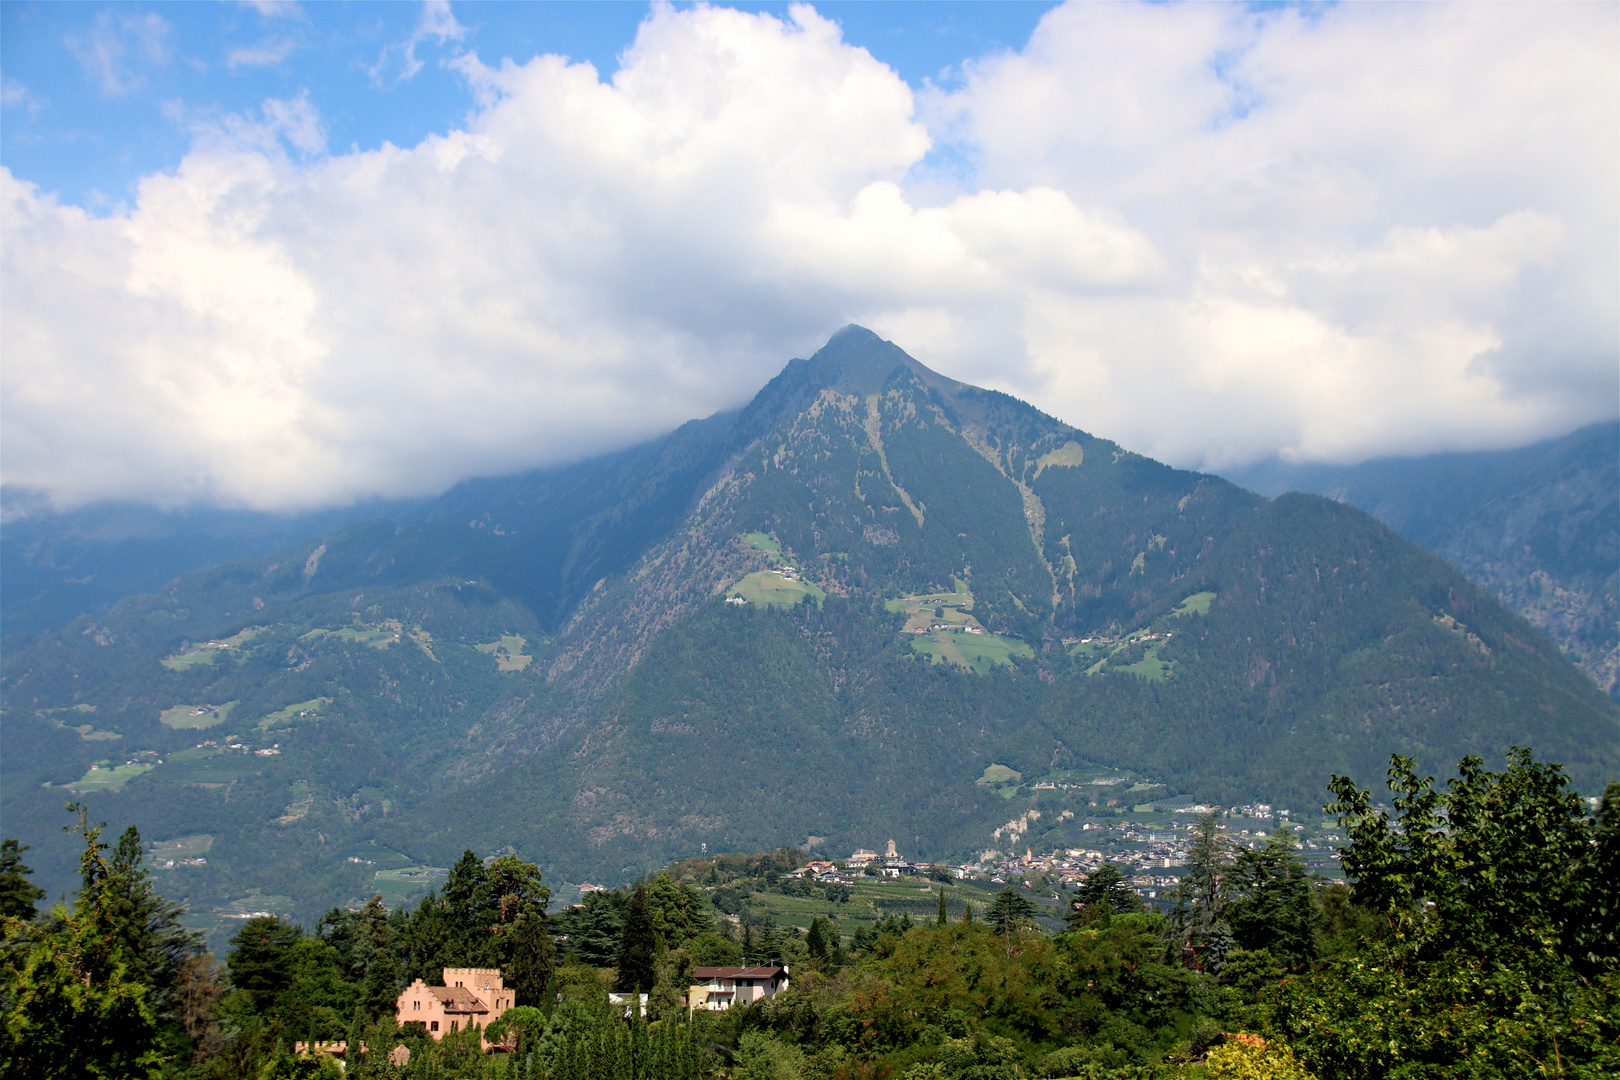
(825,614)
(1539,527)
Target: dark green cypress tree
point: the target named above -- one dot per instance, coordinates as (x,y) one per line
(1105,890)
(1010,910)
(1273,907)
(942,918)
(638,947)
(379,984)
(818,939)
(17,893)
(155,942)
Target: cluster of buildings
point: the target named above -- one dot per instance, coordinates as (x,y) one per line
(474,998)
(965,628)
(823,873)
(889,864)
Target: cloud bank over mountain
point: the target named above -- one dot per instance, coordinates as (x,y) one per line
(1214,235)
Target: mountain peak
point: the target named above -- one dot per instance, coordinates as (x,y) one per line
(857,361)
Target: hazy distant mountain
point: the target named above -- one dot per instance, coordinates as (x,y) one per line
(56,566)
(824,614)
(1537,526)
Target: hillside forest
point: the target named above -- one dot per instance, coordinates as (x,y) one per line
(1477,938)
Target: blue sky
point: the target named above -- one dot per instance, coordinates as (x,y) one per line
(101,95)
(284,256)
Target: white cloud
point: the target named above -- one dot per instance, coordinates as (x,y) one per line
(1211,234)
(1394,225)
(115,44)
(277,9)
(398,61)
(266,53)
(294,121)
(14,95)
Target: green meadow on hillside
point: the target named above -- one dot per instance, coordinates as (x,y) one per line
(771,589)
(978,652)
(195,716)
(508,652)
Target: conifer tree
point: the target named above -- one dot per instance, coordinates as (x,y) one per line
(942,918)
(75,1007)
(1105,891)
(1272,905)
(379,987)
(1197,924)
(149,926)
(638,946)
(17,893)
(818,940)
(1010,910)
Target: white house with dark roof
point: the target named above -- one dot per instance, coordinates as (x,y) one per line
(715,989)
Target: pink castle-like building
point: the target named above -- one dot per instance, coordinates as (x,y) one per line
(470,997)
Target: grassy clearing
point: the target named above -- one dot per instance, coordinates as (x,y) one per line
(195,716)
(303,710)
(208,651)
(960,597)
(108,777)
(181,847)
(1150,667)
(88,733)
(1196,604)
(508,652)
(774,590)
(984,651)
(197,657)
(378,637)
(946,633)
(1112,655)
(1002,780)
(206,766)
(1070,454)
(929,612)
(407,884)
(766,543)
(999,774)
(976,652)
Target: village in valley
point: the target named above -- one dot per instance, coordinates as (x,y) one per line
(1151,853)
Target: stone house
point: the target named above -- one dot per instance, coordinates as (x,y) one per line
(470,997)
